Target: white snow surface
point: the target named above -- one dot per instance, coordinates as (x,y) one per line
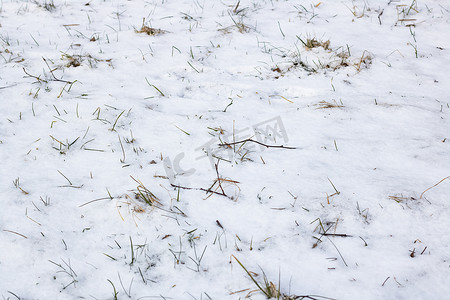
(97,116)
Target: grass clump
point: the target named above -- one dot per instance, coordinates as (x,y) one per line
(47,5)
(149,30)
(317,55)
(270,290)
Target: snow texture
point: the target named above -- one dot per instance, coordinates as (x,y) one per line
(133,157)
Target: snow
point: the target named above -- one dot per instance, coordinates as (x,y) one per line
(97,117)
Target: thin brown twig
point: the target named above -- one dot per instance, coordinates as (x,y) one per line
(423,251)
(218,180)
(198,189)
(218,177)
(53,75)
(257,142)
(35,77)
(322,234)
(336,234)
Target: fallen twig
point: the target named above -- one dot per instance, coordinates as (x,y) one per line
(336,234)
(53,75)
(198,189)
(54,78)
(257,142)
(35,77)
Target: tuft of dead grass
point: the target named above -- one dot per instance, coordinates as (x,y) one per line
(319,55)
(149,30)
(401,198)
(76,60)
(311,43)
(325,104)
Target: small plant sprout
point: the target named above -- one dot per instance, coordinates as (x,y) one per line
(117,119)
(16,183)
(45,201)
(197,259)
(68,271)
(133,258)
(114,289)
(156,88)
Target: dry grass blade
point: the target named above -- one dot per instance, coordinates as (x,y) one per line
(213,189)
(448,177)
(6,230)
(365,60)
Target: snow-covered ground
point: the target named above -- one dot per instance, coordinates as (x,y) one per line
(133,157)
